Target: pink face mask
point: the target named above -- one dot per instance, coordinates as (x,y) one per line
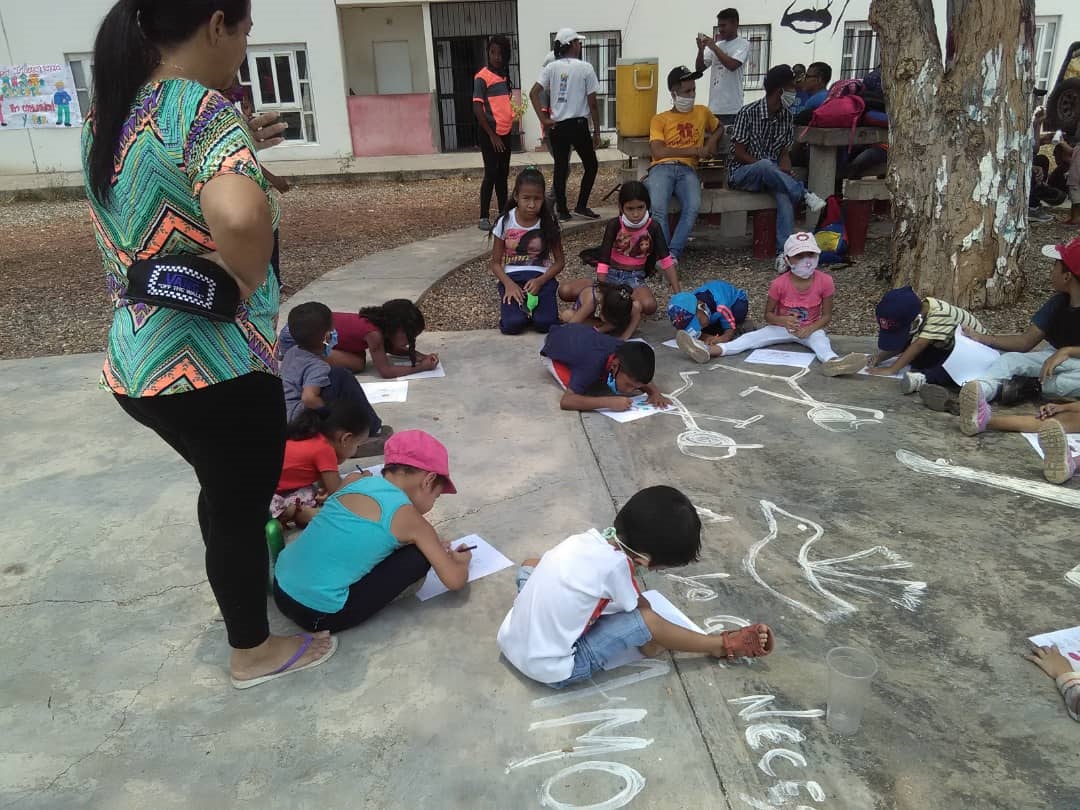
(804,268)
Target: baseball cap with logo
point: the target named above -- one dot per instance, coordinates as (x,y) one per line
(682,310)
(801,242)
(567,35)
(422,451)
(681,74)
(895,312)
(1067,254)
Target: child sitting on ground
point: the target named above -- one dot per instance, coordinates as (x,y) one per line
(711,313)
(310,382)
(598,371)
(610,308)
(527,257)
(578,607)
(370,541)
(798,310)
(634,246)
(920,332)
(391,328)
(314,449)
(1058,667)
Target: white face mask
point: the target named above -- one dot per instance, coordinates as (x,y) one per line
(683,104)
(804,268)
(788,99)
(629,223)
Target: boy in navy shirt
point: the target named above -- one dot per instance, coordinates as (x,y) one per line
(599,371)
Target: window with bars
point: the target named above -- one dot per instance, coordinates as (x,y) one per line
(279,81)
(82,71)
(602,50)
(757,63)
(1046,29)
(860,54)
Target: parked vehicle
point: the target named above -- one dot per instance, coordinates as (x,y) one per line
(1063,104)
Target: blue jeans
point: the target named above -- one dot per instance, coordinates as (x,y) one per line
(765,175)
(679,180)
(607,637)
(631,278)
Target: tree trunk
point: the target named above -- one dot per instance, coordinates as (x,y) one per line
(960,145)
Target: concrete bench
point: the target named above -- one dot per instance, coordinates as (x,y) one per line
(859,198)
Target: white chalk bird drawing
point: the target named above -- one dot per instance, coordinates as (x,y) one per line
(866,573)
(836,418)
(707,445)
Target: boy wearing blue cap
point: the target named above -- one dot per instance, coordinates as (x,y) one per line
(920,332)
(711,313)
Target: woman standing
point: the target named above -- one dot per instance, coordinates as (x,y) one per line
(494,114)
(171,171)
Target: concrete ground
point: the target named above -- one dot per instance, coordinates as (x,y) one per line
(114,692)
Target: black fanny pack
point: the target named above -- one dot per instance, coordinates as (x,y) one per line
(187,283)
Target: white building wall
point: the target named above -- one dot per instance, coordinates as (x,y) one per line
(667,30)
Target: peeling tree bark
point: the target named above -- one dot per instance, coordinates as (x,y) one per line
(960,145)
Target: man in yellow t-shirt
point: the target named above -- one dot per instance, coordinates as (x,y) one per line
(677,139)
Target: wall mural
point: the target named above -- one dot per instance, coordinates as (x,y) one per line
(811,17)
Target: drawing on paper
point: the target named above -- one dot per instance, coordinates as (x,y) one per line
(696,588)
(866,572)
(834,417)
(707,445)
(1051,493)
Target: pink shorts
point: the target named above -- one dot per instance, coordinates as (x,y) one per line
(305,496)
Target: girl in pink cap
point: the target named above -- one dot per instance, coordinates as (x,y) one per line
(370,541)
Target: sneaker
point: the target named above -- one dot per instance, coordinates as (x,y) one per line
(912,382)
(1038,215)
(939,398)
(781,263)
(565,215)
(692,347)
(586,212)
(813,202)
(1058,462)
(974,409)
(373,445)
(485,224)
(848,364)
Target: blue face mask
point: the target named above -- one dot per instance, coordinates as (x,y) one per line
(329,345)
(611,384)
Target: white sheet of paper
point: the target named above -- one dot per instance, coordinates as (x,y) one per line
(486,559)
(434,374)
(639,410)
(662,606)
(897,376)
(671,344)
(969,360)
(1033,440)
(1067,642)
(386,391)
(778,357)
(1073,577)
(375,469)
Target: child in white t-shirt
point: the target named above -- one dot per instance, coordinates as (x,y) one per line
(578,607)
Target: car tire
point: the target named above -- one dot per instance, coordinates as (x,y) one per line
(1063,107)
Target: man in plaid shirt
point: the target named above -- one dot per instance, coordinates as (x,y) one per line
(761,139)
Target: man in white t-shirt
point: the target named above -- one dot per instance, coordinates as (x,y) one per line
(579,610)
(726,56)
(571,86)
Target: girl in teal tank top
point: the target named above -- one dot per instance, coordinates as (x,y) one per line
(370,541)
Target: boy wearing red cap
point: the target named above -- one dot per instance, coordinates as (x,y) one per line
(370,541)
(1055,369)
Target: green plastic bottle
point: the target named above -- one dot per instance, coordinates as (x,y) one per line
(531,302)
(275,542)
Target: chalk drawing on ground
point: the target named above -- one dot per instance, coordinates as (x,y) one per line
(709,516)
(867,572)
(697,590)
(707,445)
(1043,491)
(646,669)
(834,417)
(1073,577)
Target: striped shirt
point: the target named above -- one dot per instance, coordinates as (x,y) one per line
(942,318)
(493,91)
(765,136)
(1069,686)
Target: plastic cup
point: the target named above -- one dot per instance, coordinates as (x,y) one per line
(850,672)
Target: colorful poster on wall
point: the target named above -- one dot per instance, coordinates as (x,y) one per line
(37,96)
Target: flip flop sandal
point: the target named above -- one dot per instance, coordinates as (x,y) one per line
(284,670)
(744,642)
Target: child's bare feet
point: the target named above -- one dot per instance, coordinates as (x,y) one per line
(652,649)
(274,653)
(747,642)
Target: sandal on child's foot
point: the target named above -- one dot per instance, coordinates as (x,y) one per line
(746,642)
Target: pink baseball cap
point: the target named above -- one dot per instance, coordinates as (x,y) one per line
(421,450)
(1067,254)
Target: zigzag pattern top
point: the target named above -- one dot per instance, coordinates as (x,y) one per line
(179,136)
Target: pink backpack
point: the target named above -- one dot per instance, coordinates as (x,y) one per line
(842,108)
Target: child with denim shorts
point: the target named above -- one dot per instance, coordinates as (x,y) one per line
(578,608)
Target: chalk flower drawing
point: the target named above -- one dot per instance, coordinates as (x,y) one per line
(858,573)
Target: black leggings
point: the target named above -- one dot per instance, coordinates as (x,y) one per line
(233,435)
(566,135)
(366,598)
(496,173)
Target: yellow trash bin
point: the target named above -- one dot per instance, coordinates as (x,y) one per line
(636,82)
